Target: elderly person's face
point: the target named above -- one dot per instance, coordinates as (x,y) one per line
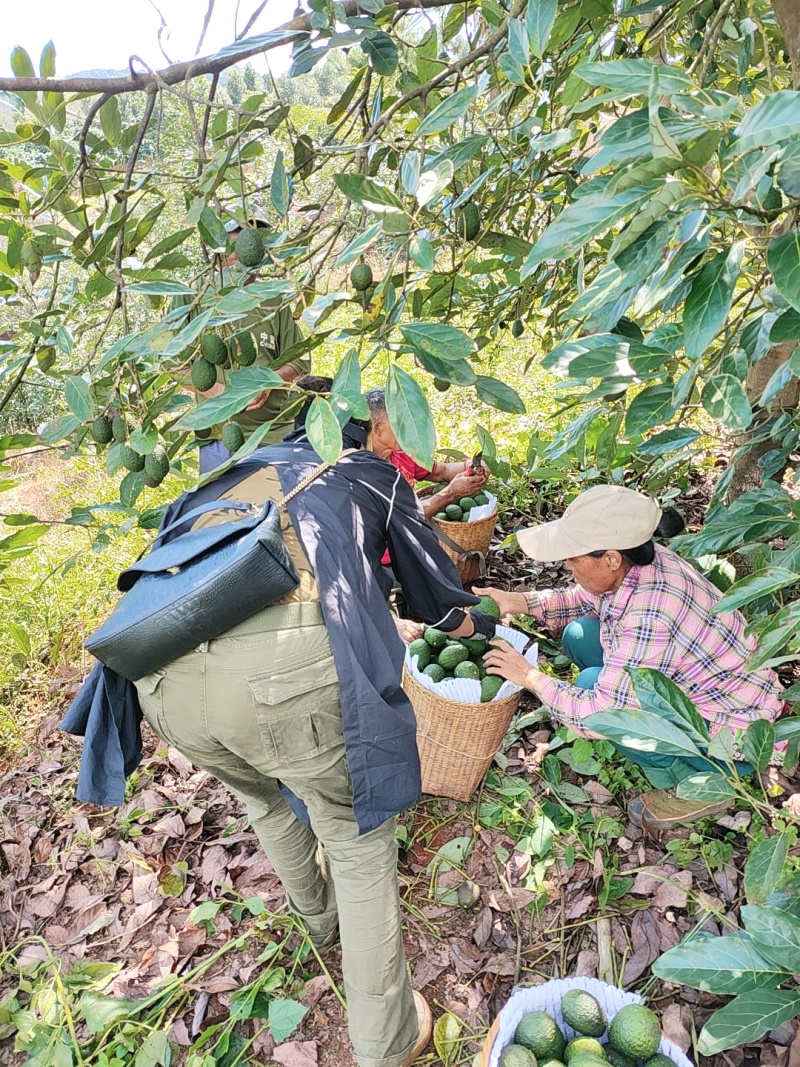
(383,441)
(598,574)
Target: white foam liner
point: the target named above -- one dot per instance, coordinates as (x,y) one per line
(547,998)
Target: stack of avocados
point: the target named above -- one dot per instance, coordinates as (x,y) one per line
(460,512)
(634,1036)
(441,657)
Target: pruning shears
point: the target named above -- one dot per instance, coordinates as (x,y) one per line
(476,463)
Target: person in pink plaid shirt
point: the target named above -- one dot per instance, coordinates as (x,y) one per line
(634,604)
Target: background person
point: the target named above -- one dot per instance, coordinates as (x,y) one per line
(635,604)
(273,334)
(306,696)
(384,444)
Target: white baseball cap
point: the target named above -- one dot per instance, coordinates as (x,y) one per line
(605,517)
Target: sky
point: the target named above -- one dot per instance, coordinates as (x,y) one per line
(91,34)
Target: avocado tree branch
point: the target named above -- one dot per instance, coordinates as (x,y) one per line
(293,30)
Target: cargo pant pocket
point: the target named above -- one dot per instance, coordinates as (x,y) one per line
(298,711)
(151,699)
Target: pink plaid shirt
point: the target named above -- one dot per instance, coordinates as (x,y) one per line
(661,617)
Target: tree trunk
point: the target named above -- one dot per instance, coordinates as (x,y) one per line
(787,13)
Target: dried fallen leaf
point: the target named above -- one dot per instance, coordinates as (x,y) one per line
(296,1054)
(672,893)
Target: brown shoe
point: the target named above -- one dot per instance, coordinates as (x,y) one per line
(425,1024)
(662,810)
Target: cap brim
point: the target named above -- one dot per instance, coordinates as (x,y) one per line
(549,543)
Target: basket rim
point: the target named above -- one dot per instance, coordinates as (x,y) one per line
(456,703)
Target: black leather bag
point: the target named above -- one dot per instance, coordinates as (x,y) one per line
(197,587)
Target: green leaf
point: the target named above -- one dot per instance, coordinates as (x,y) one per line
(438,339)
(499,395)
(786,327)
(169,243)
(758,743)
(787,729)
(787,172)
(539,19)
(763,582)
(339,109)
(154,1051)
(724,398)
(324,432)
(111,121)
(775,931)
(720,965)
(19,635)
(455,371)
(577,224)
(651,407)
(709,300)
(99,1011)
(79,397)
(47,61)
(421,251)
(667,441)
(381,51)
(347,384)
(783,259)
(665,151)
(21,63)
(747,1018)
(371,194)
(643,731)
(410,416)
(212,231)
(279,193)
(631,77)
(659,694)
(764,868)
(284,1017)
(204,912)
(358,245)
(709,787)
(445,114)
(433,180)
(773,119)
(161,288)
(446,1033)
(243,386)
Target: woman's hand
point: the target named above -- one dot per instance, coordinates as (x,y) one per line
(509,603)
(504,660)
(408,629)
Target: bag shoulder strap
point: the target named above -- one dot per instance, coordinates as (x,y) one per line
(311,476)
(201,509)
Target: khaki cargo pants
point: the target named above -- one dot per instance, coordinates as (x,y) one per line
(261,704)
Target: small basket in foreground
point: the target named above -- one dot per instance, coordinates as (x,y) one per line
(473,537)
(456,742)
(547,997)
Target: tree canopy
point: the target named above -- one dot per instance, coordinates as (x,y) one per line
(619,181)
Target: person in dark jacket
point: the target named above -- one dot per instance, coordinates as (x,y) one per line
(302,703)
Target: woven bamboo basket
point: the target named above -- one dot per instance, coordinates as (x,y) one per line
(473,537)
(547,997)
(456,742)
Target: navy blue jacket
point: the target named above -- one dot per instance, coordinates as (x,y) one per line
(345,521)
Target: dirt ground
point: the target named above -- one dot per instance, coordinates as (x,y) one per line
(94,884)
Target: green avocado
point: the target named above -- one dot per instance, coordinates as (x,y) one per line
(214,348)
(467,669)
(468,222)
(232,436)
(516,1056)
(156,464)
(243,349)
(131,459)
(422,650)
(361,277)
(539,1032)
(203,374)
(488,607)
(441,385)
(435,671)
(490,686)
(249,247)
(435,638)
(453,513)
(119,429)
(101,430)
(584,1013)
(517,328)
(449,658)
(466,503)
